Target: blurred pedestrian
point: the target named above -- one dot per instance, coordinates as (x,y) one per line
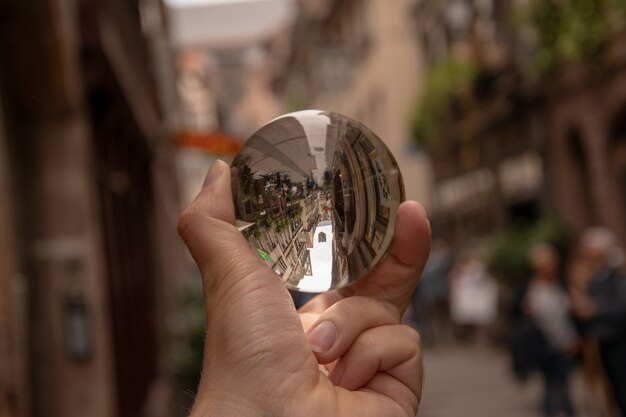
(473,297)
(429,305)
(547,304)
(600,303)
(598,392)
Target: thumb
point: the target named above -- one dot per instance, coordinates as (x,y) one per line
(250,319)
(207,227)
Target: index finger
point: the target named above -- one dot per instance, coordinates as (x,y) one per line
(233,276)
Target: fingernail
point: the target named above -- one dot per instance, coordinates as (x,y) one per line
(214,173)
(422,209)
(322,337)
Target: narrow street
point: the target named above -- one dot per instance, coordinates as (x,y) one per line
(472,381)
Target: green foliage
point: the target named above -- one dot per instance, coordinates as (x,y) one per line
(296,212)
(269,222)
(507,254)
(245,179)
(445,81)
(571,30)
(616,13)
(188,352)
(282,224)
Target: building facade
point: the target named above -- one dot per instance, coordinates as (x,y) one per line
(92,208)
(516,141)
(480,121)
(587,143)
(225,53)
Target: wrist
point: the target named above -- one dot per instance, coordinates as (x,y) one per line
(222,406)
(225,410)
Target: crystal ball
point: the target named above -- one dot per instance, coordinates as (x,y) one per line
(316,195)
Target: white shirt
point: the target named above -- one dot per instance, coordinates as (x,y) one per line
(549,307)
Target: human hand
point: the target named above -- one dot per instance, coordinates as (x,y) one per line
(258,358)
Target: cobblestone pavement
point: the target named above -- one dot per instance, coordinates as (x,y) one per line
(475,382)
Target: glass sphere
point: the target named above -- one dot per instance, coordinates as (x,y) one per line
(316,195)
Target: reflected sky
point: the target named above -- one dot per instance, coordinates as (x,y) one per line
(316,132)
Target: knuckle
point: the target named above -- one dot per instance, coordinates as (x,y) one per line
(414,338)
(347,308)
(362,307)
(371,339)
(185,220)
(391,308)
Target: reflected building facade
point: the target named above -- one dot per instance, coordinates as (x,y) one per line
(279,202)
(363,199)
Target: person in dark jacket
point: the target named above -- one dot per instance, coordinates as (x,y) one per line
(602,307)
(548,306)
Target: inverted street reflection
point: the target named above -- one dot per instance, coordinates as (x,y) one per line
(316,195)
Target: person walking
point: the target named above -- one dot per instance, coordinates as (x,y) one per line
(601,306)
(548,306)
(473,298)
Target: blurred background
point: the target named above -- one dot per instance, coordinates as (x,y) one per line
(508,119)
